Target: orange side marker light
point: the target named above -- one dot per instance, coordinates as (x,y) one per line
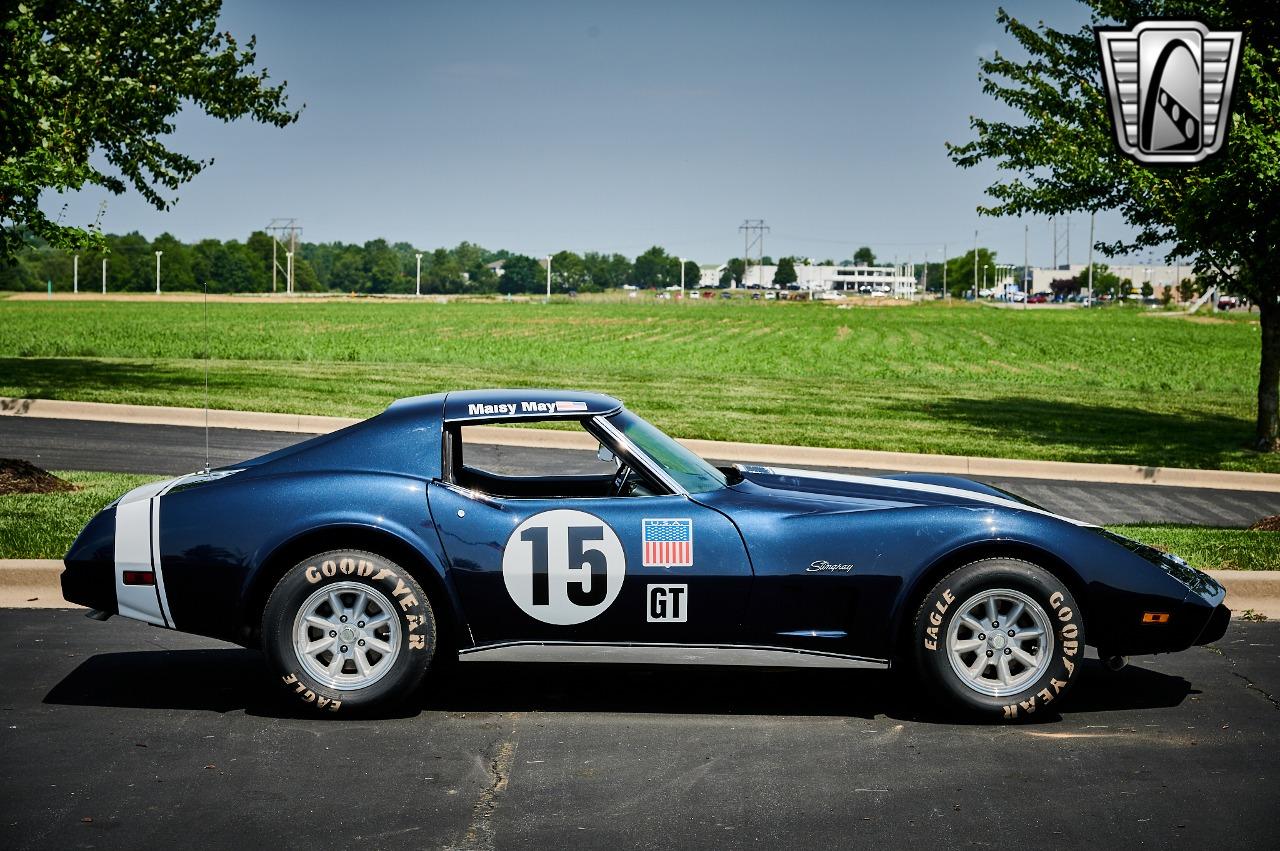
(1155,617)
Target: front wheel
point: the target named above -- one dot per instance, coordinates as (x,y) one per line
(999,638)
(349,631)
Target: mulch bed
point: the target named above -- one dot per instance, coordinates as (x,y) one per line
(1267,524)
(24,477)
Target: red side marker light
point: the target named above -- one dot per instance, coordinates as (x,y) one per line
(1155,617)
(139,577)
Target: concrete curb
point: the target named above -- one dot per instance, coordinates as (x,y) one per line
(24,579)
(758,453)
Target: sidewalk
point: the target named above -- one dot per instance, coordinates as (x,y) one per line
(34,584)
(756,453)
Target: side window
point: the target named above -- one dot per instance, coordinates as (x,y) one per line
(523,472)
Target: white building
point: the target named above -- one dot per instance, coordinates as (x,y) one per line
(709,274)
(1159,276)
(895,281)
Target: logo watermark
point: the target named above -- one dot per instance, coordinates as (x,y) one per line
(1169,88)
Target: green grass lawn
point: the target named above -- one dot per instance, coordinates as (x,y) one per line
(1106,385)
(44,525)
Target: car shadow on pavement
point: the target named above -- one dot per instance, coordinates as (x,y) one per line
(230,680)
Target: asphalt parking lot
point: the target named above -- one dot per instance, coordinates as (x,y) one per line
(124,736)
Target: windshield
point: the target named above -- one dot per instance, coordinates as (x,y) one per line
(693,474)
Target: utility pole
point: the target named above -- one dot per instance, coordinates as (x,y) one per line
(944,272)
(288,274)
(104,275)
(75,273)
(158,253)
(682,279)
(1089,303)
(753,231)
(284,233)
(548,301)
(418,287)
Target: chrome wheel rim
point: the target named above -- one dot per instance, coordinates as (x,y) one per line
(346,635)
(999,642)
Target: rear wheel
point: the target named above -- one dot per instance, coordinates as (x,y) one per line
(1000,638)
(349,630)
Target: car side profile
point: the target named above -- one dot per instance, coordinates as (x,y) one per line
(358,559)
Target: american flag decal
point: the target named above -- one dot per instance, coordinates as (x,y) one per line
(667,543)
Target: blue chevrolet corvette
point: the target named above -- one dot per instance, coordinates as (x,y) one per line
(357,559)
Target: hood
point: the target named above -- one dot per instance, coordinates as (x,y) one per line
(895,491)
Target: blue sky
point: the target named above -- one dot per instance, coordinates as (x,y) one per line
(541,126)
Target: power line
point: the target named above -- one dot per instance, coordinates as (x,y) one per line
(748,228)
(290,230)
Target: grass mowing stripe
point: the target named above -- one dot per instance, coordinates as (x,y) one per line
(1110,385)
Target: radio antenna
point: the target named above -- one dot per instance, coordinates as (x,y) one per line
(206,377)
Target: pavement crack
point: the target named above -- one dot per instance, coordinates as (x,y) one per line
(480,835)
(1248,681)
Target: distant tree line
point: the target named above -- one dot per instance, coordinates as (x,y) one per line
(376,267)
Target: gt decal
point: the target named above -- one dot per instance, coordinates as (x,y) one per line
(563,566)
(668,604)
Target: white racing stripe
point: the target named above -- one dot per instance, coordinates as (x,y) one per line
(138,548)
(919,487)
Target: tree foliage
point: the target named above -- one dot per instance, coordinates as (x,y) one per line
(1061,157)
(864,256)
(91,89)
(786,272)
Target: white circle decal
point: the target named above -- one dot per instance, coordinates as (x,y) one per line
(563,567)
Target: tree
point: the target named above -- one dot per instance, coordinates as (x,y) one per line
(656,268)
(692,274)
(92,85)
(1147,289)
(732,274)
(786,273)
(521,274)
(864,256)
(960,271)
(1221,213)
(568,272)
(1186,289)
(607,271)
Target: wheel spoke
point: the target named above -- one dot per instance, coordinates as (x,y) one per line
(1024,657)
(335,603)
(335,663)
(319,623)
(1011,619)
(1029,632)
(318,645)
(964,645)
(376,620)
(1002,668)
(977,628)
(378,644)
(361,600)
(993,613)
(362,664)
(979,665)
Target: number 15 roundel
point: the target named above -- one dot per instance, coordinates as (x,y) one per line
(563,567)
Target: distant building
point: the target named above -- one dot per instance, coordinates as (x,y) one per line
(709,274)
(1159,276)
(895,281)
(496,267)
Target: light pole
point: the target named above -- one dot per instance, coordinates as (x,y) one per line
(1089,303)
(985,267)
(418,288)
(682,278)
(548,301)
(975,265)
(158,253)
(945,291)
(75,273)
(104,275)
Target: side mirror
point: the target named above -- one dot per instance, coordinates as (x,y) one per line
(605,454)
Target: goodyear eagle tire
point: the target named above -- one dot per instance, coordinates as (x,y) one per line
(349,631)
(1000,638)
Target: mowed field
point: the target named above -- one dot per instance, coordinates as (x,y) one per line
(1105,385)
